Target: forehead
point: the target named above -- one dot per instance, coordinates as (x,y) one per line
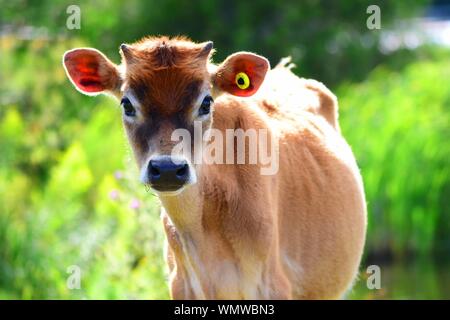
(165,76)
(166,91)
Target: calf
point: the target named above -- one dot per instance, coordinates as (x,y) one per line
(233,231)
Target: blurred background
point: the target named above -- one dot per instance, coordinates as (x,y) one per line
(68,189)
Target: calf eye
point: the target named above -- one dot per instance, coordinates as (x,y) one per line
(128,108)
(205,107)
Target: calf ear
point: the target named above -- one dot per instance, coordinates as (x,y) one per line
(241,74)
(91,72)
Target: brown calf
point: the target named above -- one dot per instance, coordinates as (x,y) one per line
(234,233)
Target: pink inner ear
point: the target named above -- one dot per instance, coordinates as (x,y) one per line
(83,68)
(91,84)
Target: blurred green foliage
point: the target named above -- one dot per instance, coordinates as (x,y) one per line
(398,124)
(68,193)
(406,280)
(68,188)
(311,31)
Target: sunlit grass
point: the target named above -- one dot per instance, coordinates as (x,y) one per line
(399,127)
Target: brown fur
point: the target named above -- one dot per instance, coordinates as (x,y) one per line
(237,234)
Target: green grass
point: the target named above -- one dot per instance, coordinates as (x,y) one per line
(398,124)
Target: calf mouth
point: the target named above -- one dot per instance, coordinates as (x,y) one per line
(167,190)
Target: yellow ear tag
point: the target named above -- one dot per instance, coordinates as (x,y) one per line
(242,80)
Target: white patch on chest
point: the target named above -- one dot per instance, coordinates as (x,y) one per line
(221,278)
(191,259)
(295,272)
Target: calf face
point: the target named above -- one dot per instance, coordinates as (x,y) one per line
(164,84)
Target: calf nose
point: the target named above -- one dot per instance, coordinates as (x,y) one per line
(167,175)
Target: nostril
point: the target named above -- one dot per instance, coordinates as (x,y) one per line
(154,171)
(181,173)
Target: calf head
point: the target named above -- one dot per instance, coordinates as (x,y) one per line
(164,84)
